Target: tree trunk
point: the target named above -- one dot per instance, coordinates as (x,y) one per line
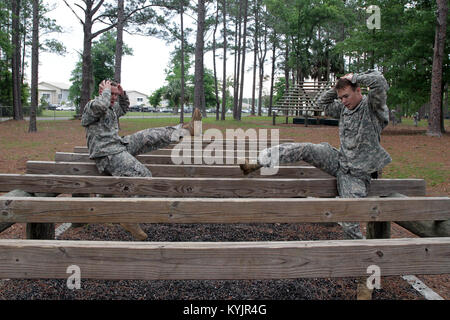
(119,41)
(244,47)
(182,62)
(17,90)
(34,67)
(86,69)
(434,120)
(272,78)
(216,89)
(286,64)
(199,90)
(262,60)
(255,57)
(224,85)
(238,66)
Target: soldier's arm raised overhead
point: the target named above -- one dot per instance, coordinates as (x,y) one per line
(124,102)
(377,96)
(328,101)
(97,107)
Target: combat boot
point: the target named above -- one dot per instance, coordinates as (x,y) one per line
(135,230)
(249,168)
(197,116)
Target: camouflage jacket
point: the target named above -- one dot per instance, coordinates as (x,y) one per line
(360,128)
(102,124)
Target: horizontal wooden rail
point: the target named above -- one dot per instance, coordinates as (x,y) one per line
(170,170)
(199,187)
(168,152)
(165,159)
(207,210)
(205,143)
(32,259)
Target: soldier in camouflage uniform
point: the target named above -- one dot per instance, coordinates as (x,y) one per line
(360,157)
(115,155)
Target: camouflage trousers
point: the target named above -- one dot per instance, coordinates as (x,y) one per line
(326,158)
(124,164)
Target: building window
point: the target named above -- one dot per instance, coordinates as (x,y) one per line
(139,99)
(46,96)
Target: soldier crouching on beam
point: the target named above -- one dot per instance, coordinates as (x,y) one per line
(360,157)
(115,155)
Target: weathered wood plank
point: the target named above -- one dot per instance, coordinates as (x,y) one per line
(201,210)
(199,187)
(170,170)
(167,159)
(168,152)
(217,260)
(248,143)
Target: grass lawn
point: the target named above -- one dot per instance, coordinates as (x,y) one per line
(414,154)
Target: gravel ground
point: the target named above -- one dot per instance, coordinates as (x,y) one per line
(393,288)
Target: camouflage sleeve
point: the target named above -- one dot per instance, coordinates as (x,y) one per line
(328,101)
(377,85)
(123,105)
(377,96)
(100,104)
(96,108)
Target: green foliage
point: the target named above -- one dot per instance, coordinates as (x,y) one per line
(103,61)
(402,49)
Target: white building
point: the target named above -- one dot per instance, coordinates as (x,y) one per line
(54,92)
(137,98)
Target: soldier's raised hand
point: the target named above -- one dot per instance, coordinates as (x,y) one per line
(121,92)
(105,84)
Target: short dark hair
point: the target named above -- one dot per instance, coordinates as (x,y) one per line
(344,83)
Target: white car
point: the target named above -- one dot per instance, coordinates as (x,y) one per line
(65,108)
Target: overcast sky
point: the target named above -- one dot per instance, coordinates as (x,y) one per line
(144,71)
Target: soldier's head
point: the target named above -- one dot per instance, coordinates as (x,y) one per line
(114,91)
(349,93)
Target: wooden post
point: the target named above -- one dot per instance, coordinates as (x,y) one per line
(274,116)
(44,231)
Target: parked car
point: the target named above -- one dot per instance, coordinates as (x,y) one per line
(52,106)
(165,110)
(65,108)
(135,108)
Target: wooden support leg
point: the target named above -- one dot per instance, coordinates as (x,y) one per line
(44,231)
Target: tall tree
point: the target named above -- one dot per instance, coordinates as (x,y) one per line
(244,47)
(199,89)
(16,72)
(216,89)
(34,67)
(93,14)
(435,127)
(224,76)
(183,84)
(119,42)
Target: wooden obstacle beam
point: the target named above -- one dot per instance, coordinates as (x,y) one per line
(227,210)
(199,187)
(32,259)
(204,143)
(166,159)
(170,170)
